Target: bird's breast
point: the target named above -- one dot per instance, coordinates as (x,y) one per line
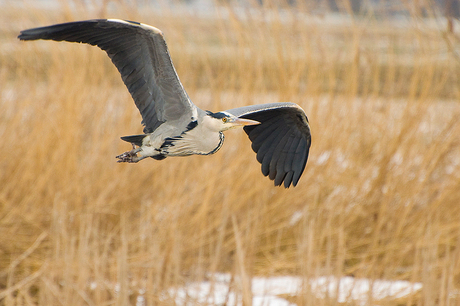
(194,141)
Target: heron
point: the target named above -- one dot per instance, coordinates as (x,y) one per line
(172,124)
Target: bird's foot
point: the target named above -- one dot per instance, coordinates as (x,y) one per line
(129,156)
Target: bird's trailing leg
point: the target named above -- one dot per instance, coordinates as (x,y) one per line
(130,156)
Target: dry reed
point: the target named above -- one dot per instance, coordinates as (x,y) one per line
(379,197)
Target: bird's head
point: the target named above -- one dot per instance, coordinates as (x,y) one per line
(223,121)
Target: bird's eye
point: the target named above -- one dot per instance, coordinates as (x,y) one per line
(224,120)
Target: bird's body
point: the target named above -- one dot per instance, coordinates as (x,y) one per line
(170,140)
(173,125)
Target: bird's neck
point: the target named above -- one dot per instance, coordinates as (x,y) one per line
(219,145)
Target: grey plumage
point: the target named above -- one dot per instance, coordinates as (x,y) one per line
(141,56)
(173,125)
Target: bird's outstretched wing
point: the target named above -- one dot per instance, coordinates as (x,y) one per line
(281,140)
(140,53)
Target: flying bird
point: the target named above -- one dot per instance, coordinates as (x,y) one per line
(173,125)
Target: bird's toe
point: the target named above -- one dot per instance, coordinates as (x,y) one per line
(129,156)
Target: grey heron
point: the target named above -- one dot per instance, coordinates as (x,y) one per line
(173,125)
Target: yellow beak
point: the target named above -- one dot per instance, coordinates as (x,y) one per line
(242,122)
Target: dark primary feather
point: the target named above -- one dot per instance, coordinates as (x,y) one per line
(281,140)
(141,56)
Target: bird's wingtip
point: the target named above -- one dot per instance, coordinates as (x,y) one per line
(23,35)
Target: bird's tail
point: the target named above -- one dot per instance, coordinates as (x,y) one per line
(134,139)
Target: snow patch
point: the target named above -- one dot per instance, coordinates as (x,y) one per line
(267,290)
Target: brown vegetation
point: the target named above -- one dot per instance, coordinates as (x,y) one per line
(380,196)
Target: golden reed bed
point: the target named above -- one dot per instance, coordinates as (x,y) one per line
(379,198)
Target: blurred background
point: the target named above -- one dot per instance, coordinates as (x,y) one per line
(378,203)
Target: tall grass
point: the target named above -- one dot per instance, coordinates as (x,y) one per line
(379,197)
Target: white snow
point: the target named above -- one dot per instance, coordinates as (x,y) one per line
(358,290)
(266,291)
